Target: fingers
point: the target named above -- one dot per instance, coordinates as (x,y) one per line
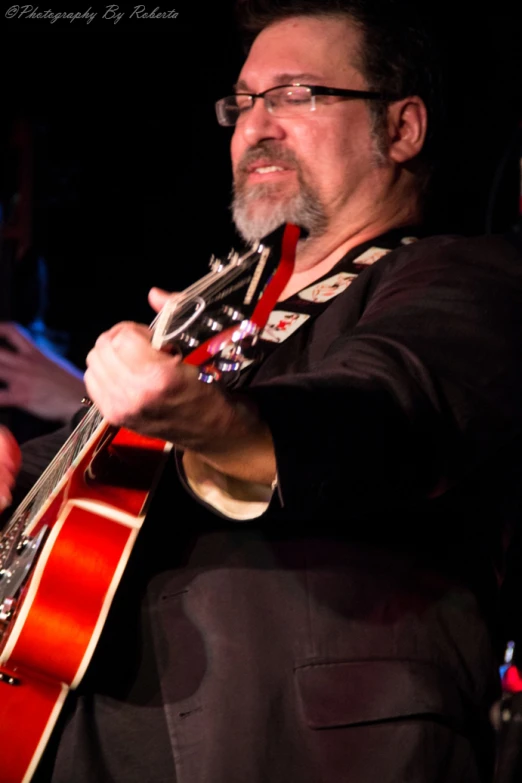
(10,454)
(10,461)
(158,297)
(134,385)
(8,398)
(16,362)
(129,334)
(107,373)
(17,336)
(125,373)
(121,350)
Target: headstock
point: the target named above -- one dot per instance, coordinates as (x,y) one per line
(215,320)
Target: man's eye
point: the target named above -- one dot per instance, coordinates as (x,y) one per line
(296,98)
(243,104)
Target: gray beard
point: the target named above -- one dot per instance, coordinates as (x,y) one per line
(258,210)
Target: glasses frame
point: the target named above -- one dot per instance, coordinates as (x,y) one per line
(314,90)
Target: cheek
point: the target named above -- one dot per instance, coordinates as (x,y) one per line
(336,158)
(236,149)
(310,146)
(323,155)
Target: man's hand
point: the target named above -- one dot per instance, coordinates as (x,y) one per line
(38,382)
(10,460)
(154,393)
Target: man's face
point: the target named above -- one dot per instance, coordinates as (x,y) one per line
(325,160)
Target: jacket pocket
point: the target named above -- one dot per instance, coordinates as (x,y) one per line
(358,692)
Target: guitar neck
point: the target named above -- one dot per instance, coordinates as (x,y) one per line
(51,480)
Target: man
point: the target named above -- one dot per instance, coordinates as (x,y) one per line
(317,604)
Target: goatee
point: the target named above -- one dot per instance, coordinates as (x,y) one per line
(259,209)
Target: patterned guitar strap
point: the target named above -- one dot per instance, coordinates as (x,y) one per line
(308,303)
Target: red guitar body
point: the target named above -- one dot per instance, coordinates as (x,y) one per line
(94,522)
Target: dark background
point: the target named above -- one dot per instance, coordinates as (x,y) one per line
(131,170)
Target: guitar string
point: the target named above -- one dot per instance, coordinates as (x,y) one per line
(47,482)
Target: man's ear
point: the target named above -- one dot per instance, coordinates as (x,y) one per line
(407,126)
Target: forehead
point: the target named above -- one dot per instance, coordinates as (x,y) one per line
(321,50)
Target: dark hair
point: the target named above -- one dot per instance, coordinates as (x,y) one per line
(400,53)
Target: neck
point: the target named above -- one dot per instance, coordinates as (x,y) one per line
(317,255)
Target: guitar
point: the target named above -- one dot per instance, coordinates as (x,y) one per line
(63,552)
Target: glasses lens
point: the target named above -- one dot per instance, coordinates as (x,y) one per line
(289,100)
(285,101)
(229,109)
(225,112)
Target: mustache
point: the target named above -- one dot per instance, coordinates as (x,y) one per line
(266,151)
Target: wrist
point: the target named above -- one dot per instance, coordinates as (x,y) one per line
(245,449)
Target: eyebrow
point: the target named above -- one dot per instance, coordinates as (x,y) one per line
(282,78)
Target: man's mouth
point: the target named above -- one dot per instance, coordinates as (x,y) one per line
(264,168)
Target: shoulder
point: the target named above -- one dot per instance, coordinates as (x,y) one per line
(492,250)
(447,278)
(458,260)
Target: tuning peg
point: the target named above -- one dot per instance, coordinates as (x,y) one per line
(209,374)
(232,313)
(234,258)
(215,264)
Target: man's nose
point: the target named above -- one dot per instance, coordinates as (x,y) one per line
(258,124)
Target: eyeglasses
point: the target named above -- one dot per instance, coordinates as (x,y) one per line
(288,100)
